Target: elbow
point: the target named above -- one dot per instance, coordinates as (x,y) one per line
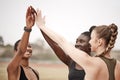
(9,67)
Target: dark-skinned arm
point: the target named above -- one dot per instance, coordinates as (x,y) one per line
(58,51)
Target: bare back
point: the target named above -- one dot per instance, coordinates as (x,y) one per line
(99,70)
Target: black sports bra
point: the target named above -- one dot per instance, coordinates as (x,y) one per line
(75,74)
(23,76)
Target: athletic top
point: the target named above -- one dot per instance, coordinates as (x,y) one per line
(111,66)
(75,74)
(23,76)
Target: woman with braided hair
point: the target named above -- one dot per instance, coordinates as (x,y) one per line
(100,67)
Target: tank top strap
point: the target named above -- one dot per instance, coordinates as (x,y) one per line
(22,74)
(110,65)
(35,73)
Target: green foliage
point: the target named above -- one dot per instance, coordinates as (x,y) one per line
(1,41)
(8,52)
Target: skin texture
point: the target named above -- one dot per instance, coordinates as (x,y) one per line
(23,52)
(82,42)
(95,68)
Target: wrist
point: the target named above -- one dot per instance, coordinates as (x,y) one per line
(27,29)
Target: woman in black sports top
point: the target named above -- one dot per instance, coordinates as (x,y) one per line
(18,68)
(76,72)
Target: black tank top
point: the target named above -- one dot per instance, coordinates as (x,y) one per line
(75,74)
(23,76)
(111,66)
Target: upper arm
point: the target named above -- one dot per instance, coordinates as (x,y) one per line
(62,48)
(79,56)
(13,66)
(58,51)
(13,74)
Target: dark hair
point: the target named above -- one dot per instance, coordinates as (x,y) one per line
(16,45)
(91,29)
(86,33)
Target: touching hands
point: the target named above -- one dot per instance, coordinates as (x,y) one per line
(33,16)
(30,17)
(40,21)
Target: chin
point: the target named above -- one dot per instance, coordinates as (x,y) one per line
(27,57)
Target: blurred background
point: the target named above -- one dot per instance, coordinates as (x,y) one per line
(43,59)
(67,17)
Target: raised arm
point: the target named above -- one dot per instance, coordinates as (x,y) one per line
(14,64)
(78,56)
(58,51)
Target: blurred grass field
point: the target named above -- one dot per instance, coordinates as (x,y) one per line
(46,71)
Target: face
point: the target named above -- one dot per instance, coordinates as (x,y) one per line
(82,43)
(28,52)
(94,41)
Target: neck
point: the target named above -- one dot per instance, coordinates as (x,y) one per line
(107,55)
(25,62)
(101,50)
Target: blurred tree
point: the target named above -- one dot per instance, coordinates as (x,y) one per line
(1,41)
(8,51)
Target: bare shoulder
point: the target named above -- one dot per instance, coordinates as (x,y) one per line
(36,71)
(117,70)
(118,64)
(94,63)
(97,61)
(13,75)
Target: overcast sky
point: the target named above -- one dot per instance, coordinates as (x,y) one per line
(67,17)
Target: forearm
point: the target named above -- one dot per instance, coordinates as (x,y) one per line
(22,47)
(56,38)
(78,56)
(57,50)
(24,42)
(62,43)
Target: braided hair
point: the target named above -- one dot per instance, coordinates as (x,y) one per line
(109,34)
(113,28)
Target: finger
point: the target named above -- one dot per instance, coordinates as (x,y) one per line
(33,17)
(38,11)
(28,11)
(33,11)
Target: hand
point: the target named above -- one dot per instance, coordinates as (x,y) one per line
(30,17)
(40,21)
